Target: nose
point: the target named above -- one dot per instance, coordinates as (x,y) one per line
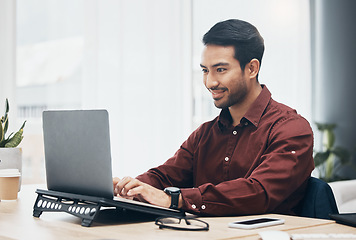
(210,81)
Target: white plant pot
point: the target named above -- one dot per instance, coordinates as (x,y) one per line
(11,158)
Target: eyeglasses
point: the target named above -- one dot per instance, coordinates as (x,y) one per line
(176,223)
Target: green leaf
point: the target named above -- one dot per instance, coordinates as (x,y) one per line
(15,140)
(5,118)
(1,133)
(330,138)
(329,166)
(342,153)
(321,157)
(6,106)
(23,125)
(325,126)
(6,125)
(11,140)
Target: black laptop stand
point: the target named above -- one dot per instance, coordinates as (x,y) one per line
(51,201)
(88,207)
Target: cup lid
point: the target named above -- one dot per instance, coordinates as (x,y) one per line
(10,172)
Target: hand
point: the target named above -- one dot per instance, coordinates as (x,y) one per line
(131,187)
(115,181)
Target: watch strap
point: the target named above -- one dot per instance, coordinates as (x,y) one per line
(174,193)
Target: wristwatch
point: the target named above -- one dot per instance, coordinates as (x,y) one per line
(174,192)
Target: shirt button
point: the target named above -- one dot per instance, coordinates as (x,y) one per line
(234,132)
(203,207)
(194,207)
(246,123)
(227,159)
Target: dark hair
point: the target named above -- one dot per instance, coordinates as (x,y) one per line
(243,36)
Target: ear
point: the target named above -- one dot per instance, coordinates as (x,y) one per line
(253,67)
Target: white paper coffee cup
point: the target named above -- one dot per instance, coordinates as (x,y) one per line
(9,183)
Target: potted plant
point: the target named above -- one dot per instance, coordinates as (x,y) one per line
(331,158)
(10,153)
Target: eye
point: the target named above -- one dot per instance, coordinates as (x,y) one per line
(204,70)
(221,69)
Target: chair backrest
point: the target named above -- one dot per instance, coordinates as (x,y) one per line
(319,200)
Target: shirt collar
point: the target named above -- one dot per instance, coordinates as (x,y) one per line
(253,114)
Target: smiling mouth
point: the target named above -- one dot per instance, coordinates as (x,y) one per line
(217,93)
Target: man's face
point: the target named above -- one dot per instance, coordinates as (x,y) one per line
(223,76)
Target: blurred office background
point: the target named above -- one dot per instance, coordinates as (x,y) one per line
(140,60)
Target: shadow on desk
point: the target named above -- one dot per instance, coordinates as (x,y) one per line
(112,216)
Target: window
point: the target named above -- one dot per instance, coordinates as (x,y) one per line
(50,45)
(113,55)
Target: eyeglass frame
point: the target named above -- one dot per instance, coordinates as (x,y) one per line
(161,224)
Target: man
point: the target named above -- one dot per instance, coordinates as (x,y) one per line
(254,158)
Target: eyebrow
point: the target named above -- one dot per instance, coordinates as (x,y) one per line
(216,65)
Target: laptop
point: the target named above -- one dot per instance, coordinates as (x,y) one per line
(345,218)
(78,160)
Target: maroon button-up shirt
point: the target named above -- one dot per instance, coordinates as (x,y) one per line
(260,166)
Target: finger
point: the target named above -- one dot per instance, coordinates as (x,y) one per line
(139,190)
(147,193)
(125,197)
(121,185)
(133,183)
(115,181)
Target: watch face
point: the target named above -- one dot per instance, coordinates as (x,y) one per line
(172,189)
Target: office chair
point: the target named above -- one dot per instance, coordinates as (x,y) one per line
(319,200)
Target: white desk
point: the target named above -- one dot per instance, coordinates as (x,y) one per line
(17,222)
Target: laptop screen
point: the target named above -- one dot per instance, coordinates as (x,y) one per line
(77,152)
